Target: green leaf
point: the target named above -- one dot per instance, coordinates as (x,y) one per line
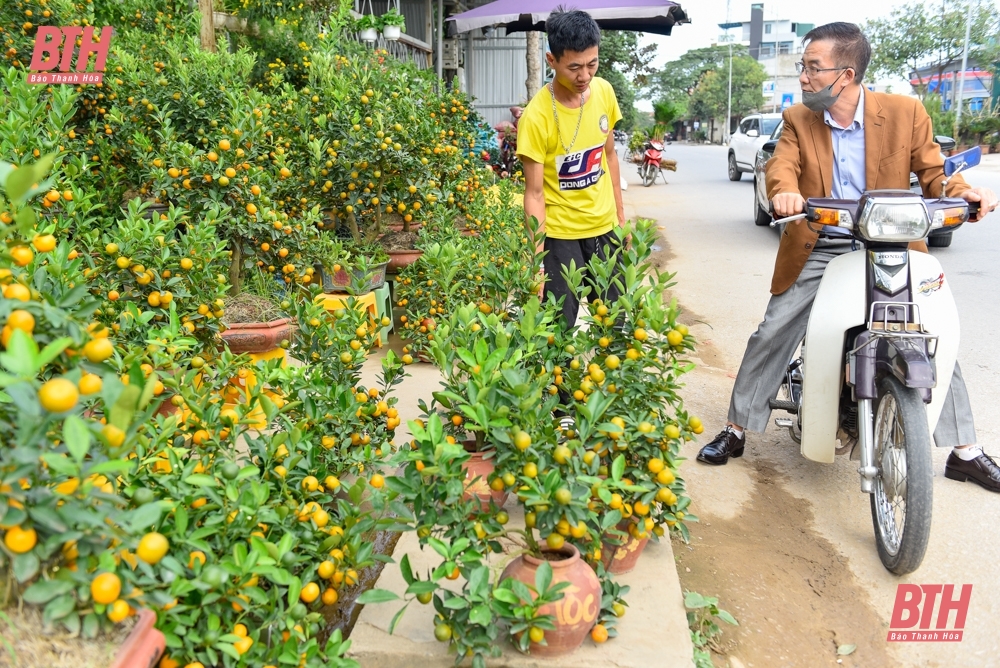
(505,595)
(618,468)
(377,596)
(90,625)
(294,589)
(398,616)
(25,566)
(227,648)
(201,480)
(481,615)
(543,578)
(19,182)
(843,650)
(111,466)
(405,570)
(181,520)
(53,350)
(60,607)
(76,434)
(145,516)
(46,590)
(456,603)
(694,600)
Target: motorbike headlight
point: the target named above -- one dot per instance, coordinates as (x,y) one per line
(894,221)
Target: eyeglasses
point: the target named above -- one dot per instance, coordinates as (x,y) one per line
(810,71)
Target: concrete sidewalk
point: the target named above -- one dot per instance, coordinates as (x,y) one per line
(653,632)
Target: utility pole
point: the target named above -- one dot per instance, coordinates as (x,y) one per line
(729,96)
(961,77)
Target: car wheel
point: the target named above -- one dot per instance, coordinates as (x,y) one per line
(940,240)
(734,172)
(761,217)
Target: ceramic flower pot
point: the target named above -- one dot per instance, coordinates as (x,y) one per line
(621,555)
(256,337)
(144,645)
(402,258)
(368,35)
(576,613)
(391,33)
(478,470)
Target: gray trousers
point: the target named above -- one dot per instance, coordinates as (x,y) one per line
(771,347)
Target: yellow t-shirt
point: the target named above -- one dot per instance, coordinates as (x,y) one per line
(579,195)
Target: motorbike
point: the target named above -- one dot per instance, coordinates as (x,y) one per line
(649,166)
(873,371)
(507,135)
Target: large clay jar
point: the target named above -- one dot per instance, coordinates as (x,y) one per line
(478,466)
(620,555)
(256,337)
(576,612)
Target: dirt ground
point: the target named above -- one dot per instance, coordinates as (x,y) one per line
(793,595)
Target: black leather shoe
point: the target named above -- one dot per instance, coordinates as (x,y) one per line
(982,470)
(722,447)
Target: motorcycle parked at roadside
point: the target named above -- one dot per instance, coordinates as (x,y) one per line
(649,166)
(878,356)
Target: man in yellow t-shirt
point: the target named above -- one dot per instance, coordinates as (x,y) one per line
(566,143)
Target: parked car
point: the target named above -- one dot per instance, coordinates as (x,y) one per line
(939,238)
(750,135)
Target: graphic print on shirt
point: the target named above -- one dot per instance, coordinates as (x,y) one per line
(580,170)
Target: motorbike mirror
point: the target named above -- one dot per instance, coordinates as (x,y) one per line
(946,143)
(752,133)
(962,161)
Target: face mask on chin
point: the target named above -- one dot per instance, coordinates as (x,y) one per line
(822,99)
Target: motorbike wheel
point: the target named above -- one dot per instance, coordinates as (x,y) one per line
(649,175)
(903,497)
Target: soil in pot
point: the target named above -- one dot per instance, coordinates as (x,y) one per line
(576,613)
(246,307)
(33,647)
(399,241)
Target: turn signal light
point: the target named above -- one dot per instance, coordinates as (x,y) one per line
(952,216)
(834,217)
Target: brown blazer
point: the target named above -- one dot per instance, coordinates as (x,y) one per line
(898,140)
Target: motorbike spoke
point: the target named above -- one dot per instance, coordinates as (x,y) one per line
(890,485)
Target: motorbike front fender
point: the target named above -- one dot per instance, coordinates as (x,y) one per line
(939,315)
(839,305)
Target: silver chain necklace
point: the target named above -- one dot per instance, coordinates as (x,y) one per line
(555,114)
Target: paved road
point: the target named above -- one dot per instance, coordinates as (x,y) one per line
(723,264)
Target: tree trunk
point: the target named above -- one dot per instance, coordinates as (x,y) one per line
(207,25)
(236,267)
(534,61)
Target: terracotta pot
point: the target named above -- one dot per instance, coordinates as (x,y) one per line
(480,465)
(985,148)
(166,408)
(622,558)
(144,645)
(402,258)
(340,281)
(256,337)
(576,613)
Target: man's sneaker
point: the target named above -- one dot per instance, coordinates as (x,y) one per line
(722,447)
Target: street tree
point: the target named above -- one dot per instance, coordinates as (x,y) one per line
(676,81)
(921,34)
(626,66)
(709,99)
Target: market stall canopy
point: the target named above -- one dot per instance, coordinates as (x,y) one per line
(652,16)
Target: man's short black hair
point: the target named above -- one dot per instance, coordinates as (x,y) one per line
(850,46)
(571,30)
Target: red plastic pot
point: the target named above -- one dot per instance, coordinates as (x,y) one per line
(576,613)
(256,337)
(144,645)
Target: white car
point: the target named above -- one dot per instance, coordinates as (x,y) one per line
(751,134)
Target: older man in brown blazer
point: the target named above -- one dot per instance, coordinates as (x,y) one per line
(842,141)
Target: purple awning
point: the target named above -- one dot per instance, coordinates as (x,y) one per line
(652,16)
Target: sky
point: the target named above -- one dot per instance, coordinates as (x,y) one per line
(705,16)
